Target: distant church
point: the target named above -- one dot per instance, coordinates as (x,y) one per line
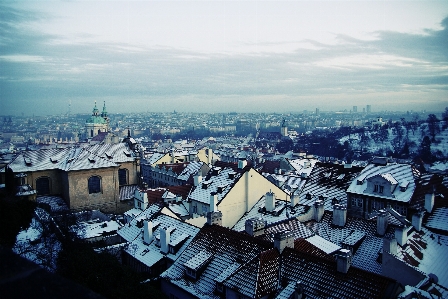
(97,123)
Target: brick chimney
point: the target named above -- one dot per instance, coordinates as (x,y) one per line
(401,234)
(214,218)
(318,208)
(429,202)
(339,215)
(417,220)
(197,179)
(283,239)
(213,201)
(269,201)
(147,231)
(343,260)
(295,200)
(165,234)
(299,290)
(255,226)
(381,222)
(390,245)
(242,164)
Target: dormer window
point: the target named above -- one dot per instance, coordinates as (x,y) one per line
(28,161)
(404,186)
(190,272)
(219,287)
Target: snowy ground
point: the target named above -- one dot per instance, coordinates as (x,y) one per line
(38,244)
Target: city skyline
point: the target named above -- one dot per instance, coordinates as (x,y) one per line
(227,56)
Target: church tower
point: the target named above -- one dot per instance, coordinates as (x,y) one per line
(97,123)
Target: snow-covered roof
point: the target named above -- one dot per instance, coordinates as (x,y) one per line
(394,173)
(438,219)
(222,180)
(229,250)
(181,234)
(192,168)
(73,158)
(326,246)
(330,181)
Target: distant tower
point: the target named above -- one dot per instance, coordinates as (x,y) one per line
(284,128)
(97,123)
(69,107)
(317,111)
(355,109)
(368,108)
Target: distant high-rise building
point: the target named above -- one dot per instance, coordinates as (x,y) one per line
(355,109)
(317,111)
(368,108)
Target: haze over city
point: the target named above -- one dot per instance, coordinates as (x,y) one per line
(222,56)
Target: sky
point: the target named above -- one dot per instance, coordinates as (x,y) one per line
(222,56)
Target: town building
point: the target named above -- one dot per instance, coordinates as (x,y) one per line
(86,176)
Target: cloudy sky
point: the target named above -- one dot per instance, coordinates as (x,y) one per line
(222,56)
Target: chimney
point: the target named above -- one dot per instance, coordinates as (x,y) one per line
(242,164)
(318,210)
(295,200)
(299,290)
(164,240)
(269,201)
(417,219)
(214,218)
(147,232)
(429,202)
(339,215)
(390,245)
(197,179)
(343,260)
(283,239)
(255,226)
(401,234)
(381,222)
(213,202)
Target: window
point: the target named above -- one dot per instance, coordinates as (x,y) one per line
(94,184)
(353,202)
(123,176)
(190,272)
(359,202)
(194,209)
(375,188)
(381,189)
(43,186)
(204,209)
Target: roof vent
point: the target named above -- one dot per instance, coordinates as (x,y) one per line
(28,161)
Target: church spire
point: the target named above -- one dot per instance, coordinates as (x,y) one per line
(104,113)
(95,110)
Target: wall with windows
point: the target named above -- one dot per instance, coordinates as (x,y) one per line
(54,179)
(83,195)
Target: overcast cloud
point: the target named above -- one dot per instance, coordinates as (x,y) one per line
(222,56)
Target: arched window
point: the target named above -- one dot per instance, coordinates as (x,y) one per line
(91,133)
(43,186)
(123,176)
(94,184)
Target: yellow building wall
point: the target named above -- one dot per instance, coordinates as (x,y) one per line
(244,195)
(78,191)
(133,171)
(54,176)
